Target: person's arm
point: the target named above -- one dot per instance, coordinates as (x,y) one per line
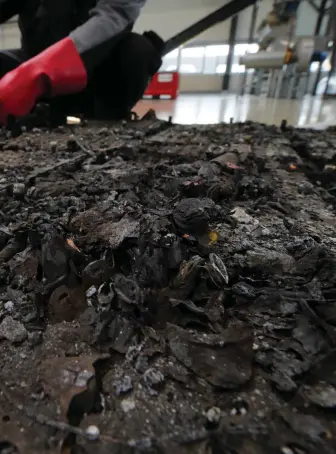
(9,9)
(95,38)
(63,68)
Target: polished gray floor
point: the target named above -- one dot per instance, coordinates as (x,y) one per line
(216,108)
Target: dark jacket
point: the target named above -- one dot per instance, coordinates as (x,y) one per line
(93,25)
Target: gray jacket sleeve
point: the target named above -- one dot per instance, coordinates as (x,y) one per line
(108,19)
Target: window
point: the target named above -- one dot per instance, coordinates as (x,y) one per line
(221,68)
(211,59)
(215,59)
(170,61)
(192,60)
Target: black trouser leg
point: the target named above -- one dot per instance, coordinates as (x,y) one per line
(119,82)
(11,59)
(114,87)
(122,79)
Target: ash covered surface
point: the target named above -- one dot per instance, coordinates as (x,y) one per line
(168,289)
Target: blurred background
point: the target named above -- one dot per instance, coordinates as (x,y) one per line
(260,60)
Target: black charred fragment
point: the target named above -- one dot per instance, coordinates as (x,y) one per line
(192,216)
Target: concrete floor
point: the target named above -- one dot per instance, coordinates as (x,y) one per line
(215,108)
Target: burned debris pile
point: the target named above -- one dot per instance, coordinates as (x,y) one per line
(168,289)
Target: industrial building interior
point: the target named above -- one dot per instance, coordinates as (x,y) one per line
(259,60)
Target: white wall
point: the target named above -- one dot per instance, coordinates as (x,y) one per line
(245,16)
(205,83)
(9,36)
(168,18)
(307,19)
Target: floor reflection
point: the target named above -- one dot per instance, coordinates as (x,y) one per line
(215,108)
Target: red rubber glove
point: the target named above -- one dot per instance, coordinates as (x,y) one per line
(58,70)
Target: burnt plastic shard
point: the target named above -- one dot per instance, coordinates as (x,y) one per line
(12,330)
(7,447)
(149,115)
(217,271)
(226,158)
(286,367)
(244,290)
(95,273)
(105,296)
(322,395)
(225,360)
(123,385)
(189,270)
(241,217)
(127,289)
(185,313)
(118,232)
(306,425)
(209,170)
(214,308)
(252,188)
(221,190)
(5,236)
(73,381)
(25,264)
(174,255)
(189,305)
(106,227)
(19,190)
(55,257)
(120,333)
(192,215)
(14,245)
(152,380)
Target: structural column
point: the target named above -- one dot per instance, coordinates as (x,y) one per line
(251,40)
(229,61)
(321,14)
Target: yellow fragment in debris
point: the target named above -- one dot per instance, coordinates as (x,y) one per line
(213,237)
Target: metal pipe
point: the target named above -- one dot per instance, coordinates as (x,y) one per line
(264,60)
(225,12)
